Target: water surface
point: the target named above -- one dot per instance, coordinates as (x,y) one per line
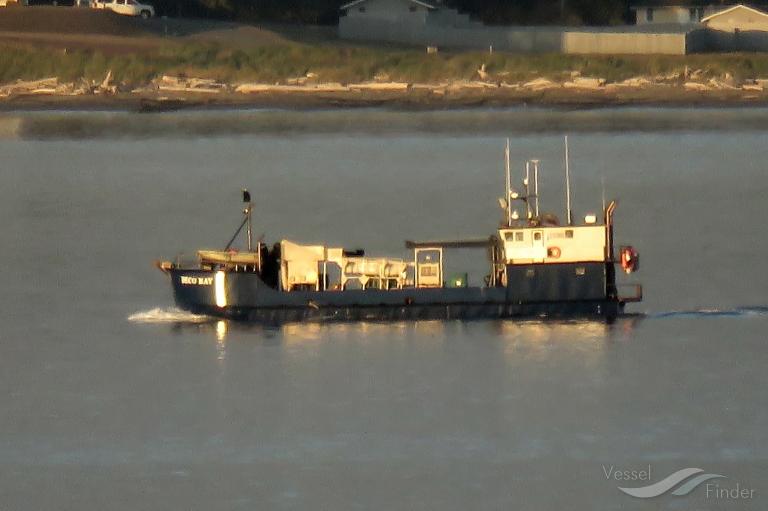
(170,410)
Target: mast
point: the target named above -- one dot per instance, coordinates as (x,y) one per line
(536,185)
(246,222)
(247,212)
(527,179)
(567,185)
(602,185)
(508,191)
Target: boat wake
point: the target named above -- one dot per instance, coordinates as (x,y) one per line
(167,315)
(175,315)
(699,313)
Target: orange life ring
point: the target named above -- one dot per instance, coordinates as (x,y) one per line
(553,252)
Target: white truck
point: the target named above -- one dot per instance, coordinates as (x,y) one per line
(127,7)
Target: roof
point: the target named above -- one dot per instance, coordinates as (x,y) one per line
(731,9)
(474,243)
(357,2)
(677,3)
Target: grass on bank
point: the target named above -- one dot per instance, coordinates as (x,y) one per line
(270,64)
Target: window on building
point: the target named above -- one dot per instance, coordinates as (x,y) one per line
(649,15)
(361,9)
(413,8)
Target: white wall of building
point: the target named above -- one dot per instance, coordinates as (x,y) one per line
(394,11)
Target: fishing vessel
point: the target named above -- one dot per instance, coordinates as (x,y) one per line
(537,267)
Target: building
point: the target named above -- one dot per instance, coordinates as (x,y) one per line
(663,12)
(738,28)
(409,12)
(420,23)
(739,18)
(406,21)
(400,11)
(679,12)
(675,29)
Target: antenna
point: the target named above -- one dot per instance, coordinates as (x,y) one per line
(508,183)
(602,184)
(527,189)
(536,184)
(567,185)
(247,213)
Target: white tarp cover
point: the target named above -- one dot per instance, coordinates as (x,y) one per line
(299,263)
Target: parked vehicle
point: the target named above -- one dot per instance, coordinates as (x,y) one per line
(127,7)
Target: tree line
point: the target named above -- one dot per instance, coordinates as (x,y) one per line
(572,12)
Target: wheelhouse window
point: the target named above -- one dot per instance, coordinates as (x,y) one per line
(569,233)
(514,236)
(649,15)
(537,236)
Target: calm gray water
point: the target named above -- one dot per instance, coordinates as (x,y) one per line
(167,411)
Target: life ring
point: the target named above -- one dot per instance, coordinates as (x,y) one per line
(629,259)
(553,252)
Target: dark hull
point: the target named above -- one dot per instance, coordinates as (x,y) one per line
(547,291)
(601,310)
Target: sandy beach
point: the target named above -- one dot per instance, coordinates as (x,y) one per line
(405,100)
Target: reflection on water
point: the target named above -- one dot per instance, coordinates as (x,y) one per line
(221,330)
(296,333)
(221,339)
(530,339)
(525,120)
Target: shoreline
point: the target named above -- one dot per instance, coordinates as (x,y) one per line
(408,99)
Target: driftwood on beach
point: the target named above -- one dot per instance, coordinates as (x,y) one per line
(53,87)
(686,81)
